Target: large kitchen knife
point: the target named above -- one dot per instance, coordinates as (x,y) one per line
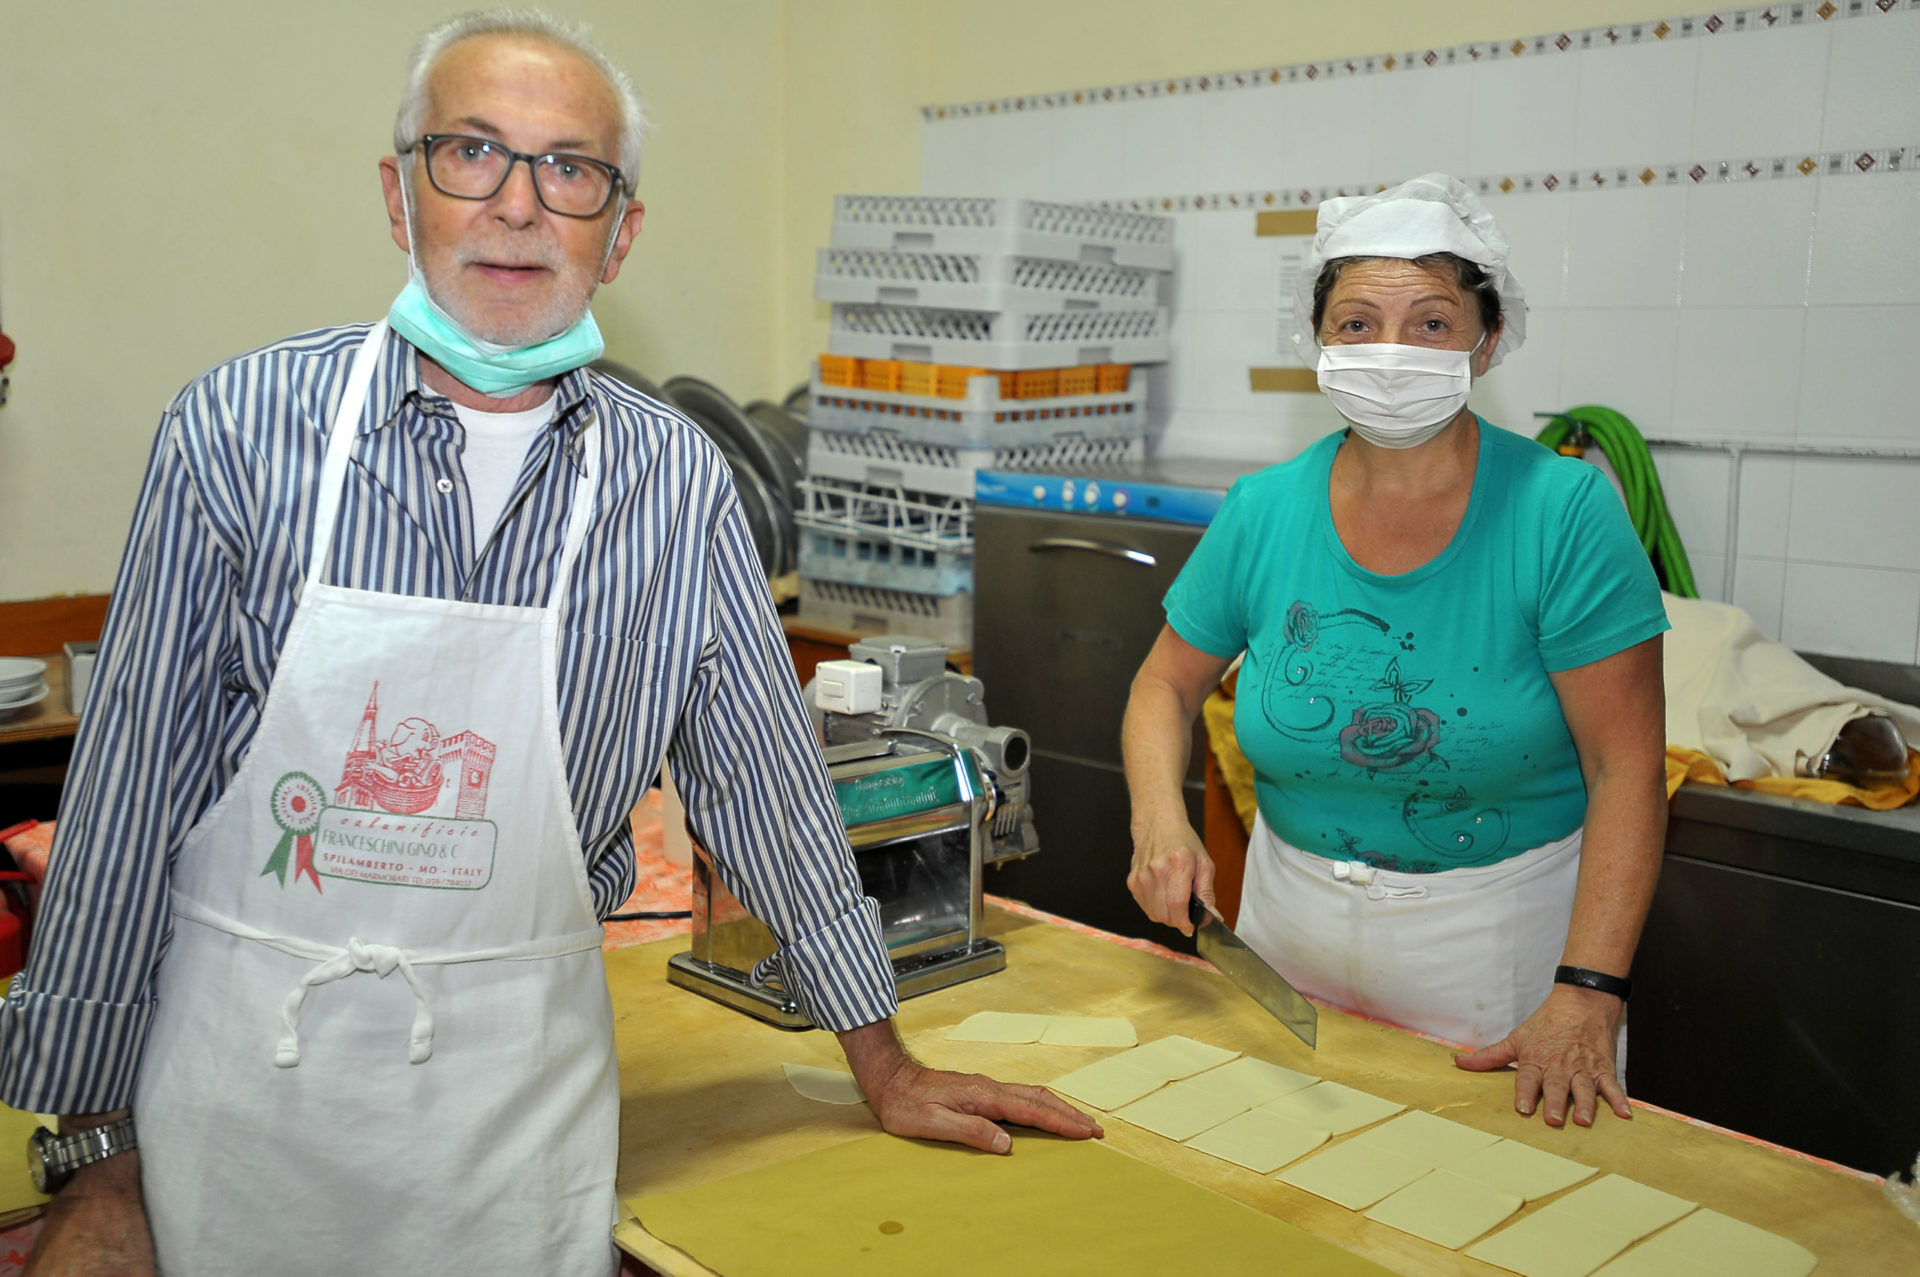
(1256,979)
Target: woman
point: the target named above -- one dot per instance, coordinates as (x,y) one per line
(1451,688)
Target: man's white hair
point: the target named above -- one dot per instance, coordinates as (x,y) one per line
(520,22)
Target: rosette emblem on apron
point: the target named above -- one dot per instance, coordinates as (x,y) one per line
(297,802)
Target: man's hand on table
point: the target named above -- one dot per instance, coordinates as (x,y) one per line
(913,1100)
(1566,1048)
(96,1225)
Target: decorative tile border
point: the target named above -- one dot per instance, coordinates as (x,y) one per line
(1892,159)
(1705,26)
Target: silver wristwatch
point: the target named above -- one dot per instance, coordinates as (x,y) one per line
(52,1159)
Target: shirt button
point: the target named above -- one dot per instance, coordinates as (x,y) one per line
(444,485)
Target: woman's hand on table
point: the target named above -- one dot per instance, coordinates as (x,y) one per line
(1564,1050)
(1170,867)
(915,1101)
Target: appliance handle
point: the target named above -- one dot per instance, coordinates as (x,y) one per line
(1109,548)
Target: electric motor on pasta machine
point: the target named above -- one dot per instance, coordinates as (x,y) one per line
(930,794)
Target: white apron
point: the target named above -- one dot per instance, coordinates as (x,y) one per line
(1465,955)
(383,1040)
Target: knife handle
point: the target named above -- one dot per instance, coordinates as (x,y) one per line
(1197,911)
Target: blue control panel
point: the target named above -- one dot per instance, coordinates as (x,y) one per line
(1095,493)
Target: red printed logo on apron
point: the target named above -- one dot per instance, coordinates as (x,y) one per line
(407,811)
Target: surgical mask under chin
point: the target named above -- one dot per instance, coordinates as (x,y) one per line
(492,369)
(1396,396)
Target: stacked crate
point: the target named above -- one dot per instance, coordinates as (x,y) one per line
(967,333)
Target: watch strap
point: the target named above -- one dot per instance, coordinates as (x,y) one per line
(62,1155)
(1599,981)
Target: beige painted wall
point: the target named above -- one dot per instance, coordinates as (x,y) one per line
(182,182)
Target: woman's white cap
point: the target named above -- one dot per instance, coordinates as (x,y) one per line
(1433,213)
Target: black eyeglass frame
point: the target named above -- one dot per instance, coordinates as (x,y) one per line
(425,142)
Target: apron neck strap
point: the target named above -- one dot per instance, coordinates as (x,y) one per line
(333,470)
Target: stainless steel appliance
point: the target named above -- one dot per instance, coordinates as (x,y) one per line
(1069,571)
(930,794)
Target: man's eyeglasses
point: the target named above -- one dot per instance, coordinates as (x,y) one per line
(475,168)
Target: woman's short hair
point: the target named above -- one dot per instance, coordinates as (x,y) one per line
(1472,280)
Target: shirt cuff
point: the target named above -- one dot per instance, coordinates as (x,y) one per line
(840,974)
(69,1055)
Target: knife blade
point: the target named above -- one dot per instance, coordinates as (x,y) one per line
(1250,972)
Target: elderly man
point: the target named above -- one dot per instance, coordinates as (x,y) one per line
(357,1014)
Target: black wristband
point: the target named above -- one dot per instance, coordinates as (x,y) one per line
(1599,981)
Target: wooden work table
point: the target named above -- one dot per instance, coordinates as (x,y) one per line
(703,1096)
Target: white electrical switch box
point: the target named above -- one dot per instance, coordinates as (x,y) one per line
(847,687)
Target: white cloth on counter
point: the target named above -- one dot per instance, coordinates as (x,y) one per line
(1752,704)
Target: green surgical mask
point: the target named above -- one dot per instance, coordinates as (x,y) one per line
(492,369)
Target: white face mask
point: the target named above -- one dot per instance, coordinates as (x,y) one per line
(1396,396)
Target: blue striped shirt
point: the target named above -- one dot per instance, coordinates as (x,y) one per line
(669,648)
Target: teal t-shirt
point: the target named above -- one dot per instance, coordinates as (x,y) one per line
(1408,720)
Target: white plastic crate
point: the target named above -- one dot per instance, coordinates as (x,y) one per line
(1015,228)
(1009,340)
(980,281)
(983,419)
(887,460)
(854,558)
(866,609)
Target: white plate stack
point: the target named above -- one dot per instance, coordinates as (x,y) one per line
(22,683)
(967,333)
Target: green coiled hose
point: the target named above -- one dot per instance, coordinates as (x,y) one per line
(1626,450)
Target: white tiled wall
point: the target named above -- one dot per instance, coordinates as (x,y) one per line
(1782,311)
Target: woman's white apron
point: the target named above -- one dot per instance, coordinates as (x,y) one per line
(1465,955)
(383,1041)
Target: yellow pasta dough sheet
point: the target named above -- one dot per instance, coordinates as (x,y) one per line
(1422,1137)
(1251,1080)
(1446,1209)
(1332,1107)
(1645,1261)
(1354,1175)
(884,1206)
(1625,1205)
(1259,1141)
(1721,1244)
(828,1086)
(1089,1030)
(999,1026)
(1520,1169)
(1176,1057)
(1107,1084)
(1546,1244)
(1182,1111)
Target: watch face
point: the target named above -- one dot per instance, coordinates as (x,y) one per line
(37,1162)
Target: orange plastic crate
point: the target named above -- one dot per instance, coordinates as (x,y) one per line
(839,370)
(880,374)
(1112,378)
(953,380)
(1006,384)
(918,379)
(1038,383)
(1081,380)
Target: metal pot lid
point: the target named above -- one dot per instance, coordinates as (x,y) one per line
(784,426)
(717,414)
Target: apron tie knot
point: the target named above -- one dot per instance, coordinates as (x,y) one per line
(1361,874)
(374,959)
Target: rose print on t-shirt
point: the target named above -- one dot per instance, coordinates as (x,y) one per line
(1388,735)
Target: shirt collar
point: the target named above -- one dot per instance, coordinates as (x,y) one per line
(570,414)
